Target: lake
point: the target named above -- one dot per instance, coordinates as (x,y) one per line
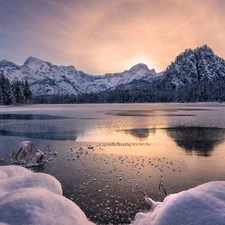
(109,153)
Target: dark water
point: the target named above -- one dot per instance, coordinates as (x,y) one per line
(109,154)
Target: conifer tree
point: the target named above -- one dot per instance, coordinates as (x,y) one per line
(27,93)
(16,93)
(1,96)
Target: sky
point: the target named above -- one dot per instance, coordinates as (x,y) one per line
(107,36)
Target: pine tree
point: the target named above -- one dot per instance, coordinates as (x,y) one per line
(3,85)
(18,92)
(10,98)
(1,96)
(27,93)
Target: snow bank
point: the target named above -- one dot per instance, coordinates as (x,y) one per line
(35,198)
(203,205)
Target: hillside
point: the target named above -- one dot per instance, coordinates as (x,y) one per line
(47,79)
(194,67)
(194,75)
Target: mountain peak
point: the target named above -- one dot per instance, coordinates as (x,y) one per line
(32,59)
(143,68)
(194,66)
(204,48)
(5,63)
(139,66)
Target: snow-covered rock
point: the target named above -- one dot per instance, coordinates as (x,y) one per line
(45,78)
(203,205)
(35,198)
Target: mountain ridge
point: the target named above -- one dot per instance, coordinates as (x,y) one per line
(197,72)
(194,66)
(48,79)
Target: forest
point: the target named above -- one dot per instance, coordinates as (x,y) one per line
(14,93)
(154,92)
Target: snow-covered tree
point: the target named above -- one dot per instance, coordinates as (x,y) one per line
(27,93)
(16,93)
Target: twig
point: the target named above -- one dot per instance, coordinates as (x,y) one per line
(161,185)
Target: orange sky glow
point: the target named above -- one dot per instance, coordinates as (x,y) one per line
(104,36)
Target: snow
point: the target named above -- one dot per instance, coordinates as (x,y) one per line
(203,205)
(28,155)
(45,78)
(36,198)
(25,144)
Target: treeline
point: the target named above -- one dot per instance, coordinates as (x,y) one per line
(154,92)
(14,93)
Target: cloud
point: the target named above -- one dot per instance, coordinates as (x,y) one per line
(99,36)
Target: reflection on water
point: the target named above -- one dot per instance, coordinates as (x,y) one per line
(143,113)
(141,133)
(157,112)
(200,140)
(109,153)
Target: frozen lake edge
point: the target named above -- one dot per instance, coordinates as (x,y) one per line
(36,198)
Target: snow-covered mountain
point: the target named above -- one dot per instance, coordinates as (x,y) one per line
(198,71)
(195,75)
(195,67)
(45,78)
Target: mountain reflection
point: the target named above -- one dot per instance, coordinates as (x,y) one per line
(199,140)
(194,140)
(140,133)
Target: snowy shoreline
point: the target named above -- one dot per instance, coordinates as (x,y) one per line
(36,198)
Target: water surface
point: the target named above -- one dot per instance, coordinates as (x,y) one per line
(108,154)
